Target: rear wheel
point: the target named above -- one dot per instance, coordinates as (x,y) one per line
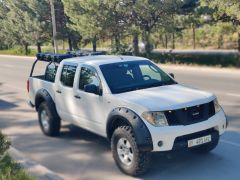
(49,121)
(126,154)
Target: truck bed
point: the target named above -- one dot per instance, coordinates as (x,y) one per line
(38,82)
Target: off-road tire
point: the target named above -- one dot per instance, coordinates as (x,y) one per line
(141,160)
(54,120)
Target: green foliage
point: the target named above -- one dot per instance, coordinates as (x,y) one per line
(24,22)
(179,23)
(12,171)
(8,168)
(223,60)
(224,8)
(4,144)
(19,51)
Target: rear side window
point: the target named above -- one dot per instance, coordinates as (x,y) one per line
(68,74)
(51,72)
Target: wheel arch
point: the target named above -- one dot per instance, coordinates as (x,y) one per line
(123,116)
(43,96)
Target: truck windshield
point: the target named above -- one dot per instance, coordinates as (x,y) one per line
(134,75)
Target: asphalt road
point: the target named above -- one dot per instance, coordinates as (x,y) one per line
(78,154)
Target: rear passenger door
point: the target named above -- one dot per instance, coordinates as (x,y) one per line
(64,92)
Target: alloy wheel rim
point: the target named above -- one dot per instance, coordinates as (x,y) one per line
(45,119)
(125,152)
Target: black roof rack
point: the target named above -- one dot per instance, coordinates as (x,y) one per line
(57,58)
(86,53)
(50,57)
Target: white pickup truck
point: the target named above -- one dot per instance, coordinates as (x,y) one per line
(130,101)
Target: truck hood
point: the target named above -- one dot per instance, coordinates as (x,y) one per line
(167,97)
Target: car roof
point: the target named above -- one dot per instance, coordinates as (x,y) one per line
(103,59)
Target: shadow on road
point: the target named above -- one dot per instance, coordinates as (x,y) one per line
(77,151)
(4,105)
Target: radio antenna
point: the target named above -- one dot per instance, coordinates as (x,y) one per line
(121,57)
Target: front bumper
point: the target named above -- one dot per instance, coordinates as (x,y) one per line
(167,135)
(181,143)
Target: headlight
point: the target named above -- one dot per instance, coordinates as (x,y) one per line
(217,106)
(155,118)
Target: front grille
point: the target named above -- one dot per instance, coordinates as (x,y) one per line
(190,115)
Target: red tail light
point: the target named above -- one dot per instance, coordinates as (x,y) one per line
(28,86)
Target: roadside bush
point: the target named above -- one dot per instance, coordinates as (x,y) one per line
(18,50)
(4,144)
(121,49)
(212,59)
(9,170)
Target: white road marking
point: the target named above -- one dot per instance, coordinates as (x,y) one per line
(230,142)
(233,95)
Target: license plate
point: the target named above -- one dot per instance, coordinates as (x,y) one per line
(199,141)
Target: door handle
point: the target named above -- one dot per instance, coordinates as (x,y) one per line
(58,91)
(77,97)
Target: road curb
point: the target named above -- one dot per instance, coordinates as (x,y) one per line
(32,167)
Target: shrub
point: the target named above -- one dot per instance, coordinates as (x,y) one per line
(213,59)
(8,168)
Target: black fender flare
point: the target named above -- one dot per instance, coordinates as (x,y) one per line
(140,130)
(43,95)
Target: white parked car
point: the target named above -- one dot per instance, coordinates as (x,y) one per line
(129,100)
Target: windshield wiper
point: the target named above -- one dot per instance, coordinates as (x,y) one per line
(126,89)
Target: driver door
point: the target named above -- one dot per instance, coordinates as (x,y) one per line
(91,107)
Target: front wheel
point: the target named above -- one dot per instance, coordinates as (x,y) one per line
(126,154)
(49,121)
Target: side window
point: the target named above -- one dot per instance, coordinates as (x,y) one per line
(87,76)
(67,76)
(51,72)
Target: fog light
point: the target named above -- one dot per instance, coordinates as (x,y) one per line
(160,143)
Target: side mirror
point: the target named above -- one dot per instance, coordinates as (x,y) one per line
(91,88)
(172,75)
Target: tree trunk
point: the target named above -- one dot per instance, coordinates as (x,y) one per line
(117,43)
(39,47)
(220,41)
(161,40)
(70,44)
(63,45)
(239,41)
(94,43)
(148,48)
(194,36)
(166,41)
(135,44)
(173,40)
(26,49)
